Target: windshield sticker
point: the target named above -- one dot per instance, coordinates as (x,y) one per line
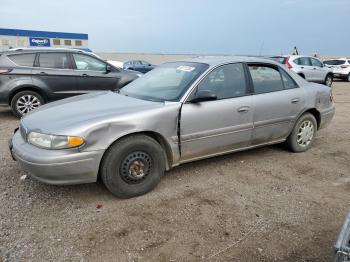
(185,68)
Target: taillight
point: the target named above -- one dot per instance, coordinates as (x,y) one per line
(4,71)
(344,66)
(287,63)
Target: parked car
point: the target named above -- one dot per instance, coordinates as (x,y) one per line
(32,77)
(138,65)
(177,113)
(340,67)
(342,245)
(309,68)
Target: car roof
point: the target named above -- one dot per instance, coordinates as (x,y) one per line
(342,58)
(42,49)
(217,60)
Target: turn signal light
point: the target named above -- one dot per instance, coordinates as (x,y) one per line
(74,141)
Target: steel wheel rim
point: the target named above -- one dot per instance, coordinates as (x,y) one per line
(135,167)
(27,103)
(305,133)
(329,81)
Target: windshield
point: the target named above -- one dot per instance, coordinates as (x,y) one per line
(334,62)
(167,82)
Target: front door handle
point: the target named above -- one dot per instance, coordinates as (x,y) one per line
(84,75)
(243,109)
(295,100)
(43,73)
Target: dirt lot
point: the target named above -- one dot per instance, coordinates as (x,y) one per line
(261,205)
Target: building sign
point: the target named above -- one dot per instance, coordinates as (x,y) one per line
(36,41)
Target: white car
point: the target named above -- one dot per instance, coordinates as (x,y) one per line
(310,68)
(340,67)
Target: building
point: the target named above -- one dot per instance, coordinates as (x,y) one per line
(18,38)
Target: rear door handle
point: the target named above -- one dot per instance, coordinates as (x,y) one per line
(43,73)
(84,75)
(243,109)
(295,100)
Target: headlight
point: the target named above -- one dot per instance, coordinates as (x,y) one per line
(54,142)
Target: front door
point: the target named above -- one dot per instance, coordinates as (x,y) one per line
(93,75)
(319,72)
(223,125)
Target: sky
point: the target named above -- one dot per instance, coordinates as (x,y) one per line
(266,27)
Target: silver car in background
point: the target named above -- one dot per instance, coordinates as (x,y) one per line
(177,113)
(310,68)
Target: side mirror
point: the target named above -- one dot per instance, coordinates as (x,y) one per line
(108,69)
(203,95)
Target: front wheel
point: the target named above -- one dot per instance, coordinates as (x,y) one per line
(329,80)
(25,101)
(303,134)
(133,166)
(348,78)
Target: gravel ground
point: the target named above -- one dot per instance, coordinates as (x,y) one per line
(265,204)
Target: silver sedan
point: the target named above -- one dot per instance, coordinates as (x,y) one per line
(177,113)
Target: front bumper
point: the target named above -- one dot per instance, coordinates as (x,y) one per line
(57,167)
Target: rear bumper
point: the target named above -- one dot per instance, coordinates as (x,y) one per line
(340,75)
(57,167)
(327,116)
(341,248)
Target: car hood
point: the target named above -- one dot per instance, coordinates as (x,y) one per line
(79,111)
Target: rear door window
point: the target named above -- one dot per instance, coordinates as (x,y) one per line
(23,59)
(265,78)
(288,82)
(304,61)
(54,60)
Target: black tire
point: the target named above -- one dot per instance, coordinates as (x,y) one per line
(302,75)
(120,168)
(348,78)
(328,80)
(292,140)
(35,97)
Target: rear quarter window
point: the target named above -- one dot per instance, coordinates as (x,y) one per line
(23,59)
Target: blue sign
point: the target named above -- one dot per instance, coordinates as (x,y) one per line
(36,41)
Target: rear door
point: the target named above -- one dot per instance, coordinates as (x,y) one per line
(305,67)
(277,103)
(53,71)
(214,127)
(93,75)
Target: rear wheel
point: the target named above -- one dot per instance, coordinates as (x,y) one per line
(133,166)
(303,134)
(25,101)
(329,80)
(348,78)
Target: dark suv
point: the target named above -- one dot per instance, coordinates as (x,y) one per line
(32,77)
